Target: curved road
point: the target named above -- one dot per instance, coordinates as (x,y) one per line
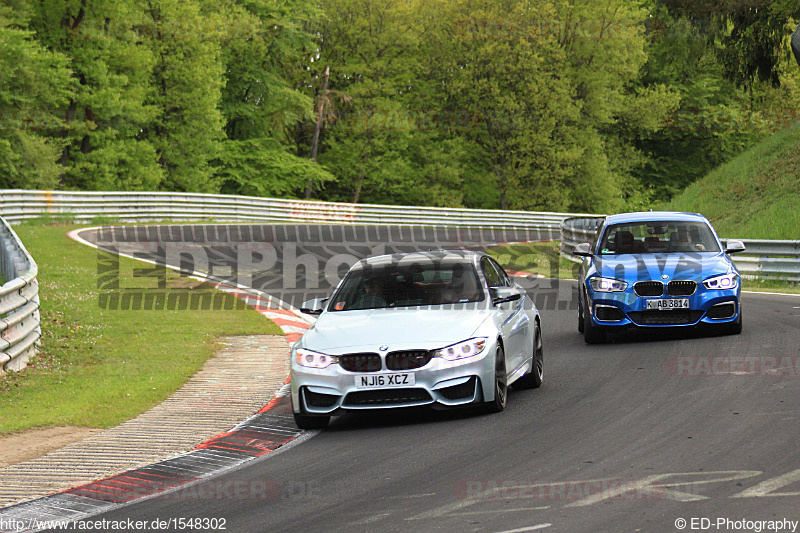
(627,436)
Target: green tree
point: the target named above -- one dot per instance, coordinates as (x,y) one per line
(507,79)
(34,84)
(715,120)
(604,44)
(187,86)
(383,142)
(264,44)
(103,121)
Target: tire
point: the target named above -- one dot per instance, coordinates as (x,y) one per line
(498,403)
(591,334)
(534,378)
(311,421)
(580,315)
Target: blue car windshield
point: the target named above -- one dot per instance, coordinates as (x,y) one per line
(385,286)
(658,237)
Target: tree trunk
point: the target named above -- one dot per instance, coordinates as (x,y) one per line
(73,107)
(360,179)
(501,183)
(85,140)
(318,127)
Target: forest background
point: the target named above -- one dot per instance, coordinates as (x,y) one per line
(557,105)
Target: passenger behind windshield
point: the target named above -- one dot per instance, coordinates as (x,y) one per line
(407,285)
(658,237)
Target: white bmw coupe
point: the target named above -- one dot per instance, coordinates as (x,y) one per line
(444,328)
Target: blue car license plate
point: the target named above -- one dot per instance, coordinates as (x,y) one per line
(666,304)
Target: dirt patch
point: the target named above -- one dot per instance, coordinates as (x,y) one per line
(37,442)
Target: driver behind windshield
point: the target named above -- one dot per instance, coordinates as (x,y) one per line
(372,296)
(658,238)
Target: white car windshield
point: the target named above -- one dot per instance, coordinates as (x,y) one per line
(398,285)
(658,237)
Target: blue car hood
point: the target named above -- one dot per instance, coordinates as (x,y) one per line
(398,328)
(687,266)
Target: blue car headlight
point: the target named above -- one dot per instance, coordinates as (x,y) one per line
(600,284)
(314,359)
(724,282)
(462,350)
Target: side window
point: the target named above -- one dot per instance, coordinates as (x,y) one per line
(493,277)
(503,275)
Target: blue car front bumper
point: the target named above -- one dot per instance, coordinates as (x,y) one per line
(627,309)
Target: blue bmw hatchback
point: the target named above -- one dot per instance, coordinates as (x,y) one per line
(656,270)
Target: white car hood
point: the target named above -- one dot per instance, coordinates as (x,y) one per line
(406,328)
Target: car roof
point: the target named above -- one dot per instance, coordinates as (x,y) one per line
(655,216)
(451,256)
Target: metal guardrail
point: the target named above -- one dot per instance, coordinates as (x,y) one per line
(19,205)
(762,259)
(20,328)
(575,230)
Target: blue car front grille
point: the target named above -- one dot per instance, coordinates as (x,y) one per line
(648,288)
(681,288)
(665,318)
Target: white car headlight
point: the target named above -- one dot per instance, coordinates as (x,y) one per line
(726,281)
(462,350)
(607,284)
(314,359)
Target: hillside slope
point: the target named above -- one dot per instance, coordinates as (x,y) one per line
(754,196)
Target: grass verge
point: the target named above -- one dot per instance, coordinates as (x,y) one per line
(753,196)
(540,258)
(98,367)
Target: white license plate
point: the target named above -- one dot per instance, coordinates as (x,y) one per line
(372,381)
(667,304)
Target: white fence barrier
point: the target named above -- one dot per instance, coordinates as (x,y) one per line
(19,302)
(19,205)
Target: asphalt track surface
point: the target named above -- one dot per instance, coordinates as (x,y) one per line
(632,435)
